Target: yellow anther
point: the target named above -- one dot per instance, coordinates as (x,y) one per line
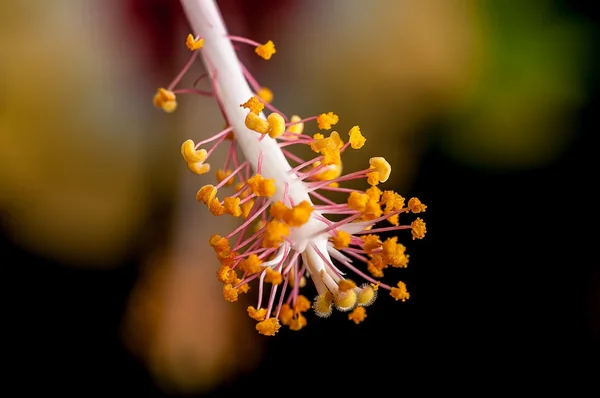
(254,104)
(375,286)
(372,210)
(322,304)
(302,304)
(373,178)
(247,208)
(418,229)
(245,288)
(336,140)
(366,295)
(165,100)
(373,270)
(331,156)
(392,201)
(394,220)
(190,154)
(358,315)
(193,44)
(276,125)
(199,168)
(265,94)
(254,183)
(279,211)
(389,246)
(286,314)
(266,188)
(400,292)
(345,301)
(341,239)
(298,322)
(266,50)
(356,138)
(358,201)
(345,285)
(268,327)
(223,174)
(382,167)
(299,214)
(257,315)
(251,265)
(219,243)
(298,127)
(318,142)
(256,123)
(273,277)
(226,275)
(415,205)
(374,193)
(232,206)
(215,207)
(230,293)
(326,120)
(274,234)
(206,194)
(370,243)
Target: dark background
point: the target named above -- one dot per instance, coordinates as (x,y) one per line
(505,296)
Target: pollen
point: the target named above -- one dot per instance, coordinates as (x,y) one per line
(400,292)
(165,100)
(341,239)
(326,120)
(297,126)
(230,293)
(392,201)
(199,168)
(279,210)
(206,194)
(302,304)
(232,206)
(297,322)
(418,229)
(276,125)
(415,205)
(257,315)
(268,327)
(358,315)
(322,304)
(193,44)
(256,123)
(275,233)
(370,243)
(299,214)
(345,301)
(261,186)
(219,243)
(366,295)
(373,178)
(331,156)
(358,201)
(251,265)
(254,104)
(265,94)
(374,193)
(247,208)
(190,154)
(273,277)
(266,50)
(382,167)
(226,275)
(357,140)
(286,314)
(215,207)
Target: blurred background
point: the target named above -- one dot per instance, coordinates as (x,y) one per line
(487,110)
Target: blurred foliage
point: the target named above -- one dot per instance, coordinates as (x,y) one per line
(532,77)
